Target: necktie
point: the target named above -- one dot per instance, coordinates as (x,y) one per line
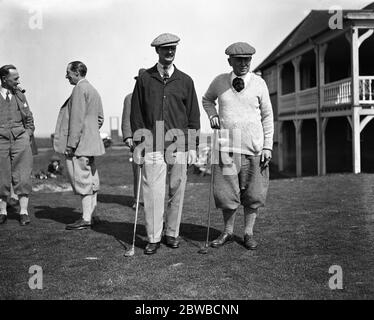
(7,96)
(238,84)
(166,74)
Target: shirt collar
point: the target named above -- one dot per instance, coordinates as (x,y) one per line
(80,80)
(160,69)
(247,77)
(3,92)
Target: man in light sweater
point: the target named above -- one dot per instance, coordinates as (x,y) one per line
(244,106)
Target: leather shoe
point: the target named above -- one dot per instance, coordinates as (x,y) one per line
(79,225)
(24,219)
(172,242)
(151,248)
(3,218)
(249,242)
(222,239)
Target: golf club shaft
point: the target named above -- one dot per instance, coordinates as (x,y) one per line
(137,203)
(211,184)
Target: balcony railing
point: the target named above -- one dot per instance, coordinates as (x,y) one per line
(287,103)
(366,90)
(337,93)
(334,94)
(308,100)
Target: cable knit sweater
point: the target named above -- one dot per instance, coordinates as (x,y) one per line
(249,110)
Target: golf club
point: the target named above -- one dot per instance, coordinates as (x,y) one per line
(204,249)
(131,251)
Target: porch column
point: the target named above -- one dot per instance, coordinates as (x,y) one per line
(279,85)
(323,147)
(296,64)
(298,126)
(356,147)
(280,123)
(280,146)
(320,51)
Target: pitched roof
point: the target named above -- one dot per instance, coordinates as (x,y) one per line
(315,23)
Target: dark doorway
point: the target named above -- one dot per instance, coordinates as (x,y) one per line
(338,145)
(309,147)
(367,148)
(289,147)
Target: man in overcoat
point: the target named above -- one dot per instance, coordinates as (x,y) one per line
(77,136)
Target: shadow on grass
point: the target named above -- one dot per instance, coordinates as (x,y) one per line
(114,198)
(123,231)
(196,234)
(63,215)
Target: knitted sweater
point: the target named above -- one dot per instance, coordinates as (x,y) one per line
(249,110)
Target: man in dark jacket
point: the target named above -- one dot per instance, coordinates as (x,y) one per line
(164,101)
(16,131)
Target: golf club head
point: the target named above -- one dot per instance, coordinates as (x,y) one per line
(203,250)
(130,252)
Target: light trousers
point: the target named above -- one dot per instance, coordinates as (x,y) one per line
(154,175)
(83,175)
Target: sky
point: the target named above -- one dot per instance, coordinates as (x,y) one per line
(112,37)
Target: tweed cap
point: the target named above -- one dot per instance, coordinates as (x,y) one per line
(240,49)
(165,39)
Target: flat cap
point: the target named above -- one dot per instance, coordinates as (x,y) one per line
(165,39)
(240,49)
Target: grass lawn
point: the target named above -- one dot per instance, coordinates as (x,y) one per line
(309,224)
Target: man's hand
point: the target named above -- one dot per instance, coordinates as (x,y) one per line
(214,122)
(265,157)
(137,156)
(191,157)
(130,143)
(69,152)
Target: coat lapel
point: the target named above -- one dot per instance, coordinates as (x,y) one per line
(155,74)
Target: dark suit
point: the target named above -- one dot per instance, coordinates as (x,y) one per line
(16,132)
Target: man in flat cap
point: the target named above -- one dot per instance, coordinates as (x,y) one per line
(127,136)
(164,96)
(77,136)
(244,104)
(16,133)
